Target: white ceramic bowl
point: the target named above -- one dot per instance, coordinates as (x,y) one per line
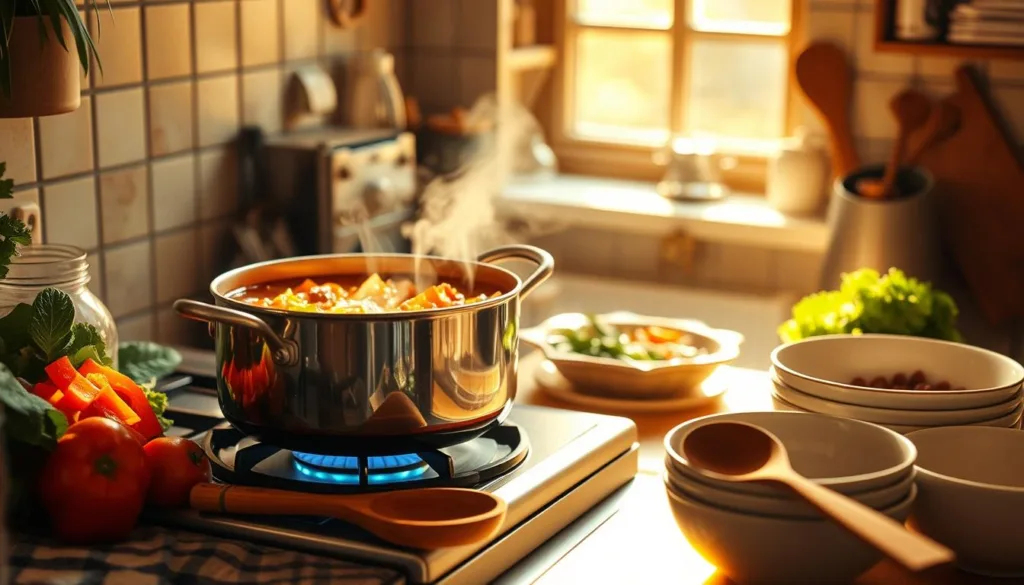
(762,549)
(1009,421)
(971,482)
(846,455)
(925,418)
(824,366)
(793,507)
(637,379)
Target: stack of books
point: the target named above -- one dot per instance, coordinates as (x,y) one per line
(987,22)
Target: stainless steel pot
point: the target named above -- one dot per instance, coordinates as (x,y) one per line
(369,384)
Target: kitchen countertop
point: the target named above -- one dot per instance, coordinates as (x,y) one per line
(641,543)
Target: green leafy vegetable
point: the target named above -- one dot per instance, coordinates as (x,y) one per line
(32,336)
(12,231)
(87,343)
(53,316)
(868,302)
(143,361)
(29,419)
(158,402)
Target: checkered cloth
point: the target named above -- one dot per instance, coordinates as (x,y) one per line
(159,556)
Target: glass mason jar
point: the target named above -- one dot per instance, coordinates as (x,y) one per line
(42,266)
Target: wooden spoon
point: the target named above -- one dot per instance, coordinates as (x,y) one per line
(943,122)
(733,451)
(825,78)
(911,109)
(427,518)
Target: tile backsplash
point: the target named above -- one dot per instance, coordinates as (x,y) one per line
(143,174)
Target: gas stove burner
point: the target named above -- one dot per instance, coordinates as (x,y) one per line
(354,470)
(241,460)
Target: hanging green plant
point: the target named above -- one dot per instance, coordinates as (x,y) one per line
(13,232)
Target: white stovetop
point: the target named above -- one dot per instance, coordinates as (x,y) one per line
(756,317)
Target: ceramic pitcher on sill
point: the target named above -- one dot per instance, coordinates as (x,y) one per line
(899,231)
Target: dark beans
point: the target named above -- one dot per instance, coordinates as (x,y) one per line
(900,381)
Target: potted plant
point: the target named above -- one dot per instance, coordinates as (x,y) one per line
(39,73)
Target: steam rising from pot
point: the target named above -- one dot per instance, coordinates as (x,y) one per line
(458,216)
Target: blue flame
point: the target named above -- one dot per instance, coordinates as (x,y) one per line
(345,469)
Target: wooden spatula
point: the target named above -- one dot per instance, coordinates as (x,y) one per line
(826,81)
(943,122)
(911,109)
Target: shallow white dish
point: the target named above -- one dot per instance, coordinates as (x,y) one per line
(615,378)
(811,366)
(1012,420)
(786,507)
(893,416)
(971,496)
(898,399)
(846,455)
(763,549)
(551,381)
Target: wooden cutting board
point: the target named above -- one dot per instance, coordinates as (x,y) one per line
(980,196)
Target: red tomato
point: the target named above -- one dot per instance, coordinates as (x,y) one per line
(177,465)
(94,483)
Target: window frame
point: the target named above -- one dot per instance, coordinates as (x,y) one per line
(744,171)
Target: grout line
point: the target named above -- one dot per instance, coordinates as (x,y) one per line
(147,123)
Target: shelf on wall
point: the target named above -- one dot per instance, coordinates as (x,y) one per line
(948,50)
(532,57)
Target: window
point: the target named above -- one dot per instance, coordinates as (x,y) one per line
(637,73)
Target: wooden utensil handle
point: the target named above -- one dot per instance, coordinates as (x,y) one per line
(844,155)
(231,499)
(912,550)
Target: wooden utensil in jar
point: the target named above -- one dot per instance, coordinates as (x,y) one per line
(426,518)
(824,76)
(942,123)
(911,109)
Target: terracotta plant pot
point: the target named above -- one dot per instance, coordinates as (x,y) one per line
(45,79)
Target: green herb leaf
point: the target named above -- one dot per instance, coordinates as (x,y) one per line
(12,234)
(52,320)
(30,419)
(143,361)
(6,185)
(158,402)
(87,343)
(14,327)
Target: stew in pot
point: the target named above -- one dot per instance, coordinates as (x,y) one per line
(373,295)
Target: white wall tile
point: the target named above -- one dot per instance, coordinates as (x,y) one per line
(128,278)
(871,115)
(477,24)
(433,23)
(136,328)
(1006,70)
(70,213)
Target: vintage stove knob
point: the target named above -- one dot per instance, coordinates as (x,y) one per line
(379,195)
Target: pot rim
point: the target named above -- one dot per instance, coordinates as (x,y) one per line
(386,316)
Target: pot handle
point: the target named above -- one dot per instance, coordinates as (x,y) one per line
(545,263)
(285,351)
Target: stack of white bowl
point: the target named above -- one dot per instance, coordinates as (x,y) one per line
(757,532)
(814,375)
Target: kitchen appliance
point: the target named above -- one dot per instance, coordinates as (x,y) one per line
(370,383)
(895,232)
(344,190)
(555,469)
(377,100)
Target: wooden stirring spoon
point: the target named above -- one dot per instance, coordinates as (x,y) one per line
(734,451)
(427,518)
(943,122)
(911,109)
(824,76)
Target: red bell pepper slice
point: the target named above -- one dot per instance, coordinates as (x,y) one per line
(148,425)
(46,391)
(112,402)
(78,392)
(101,410)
